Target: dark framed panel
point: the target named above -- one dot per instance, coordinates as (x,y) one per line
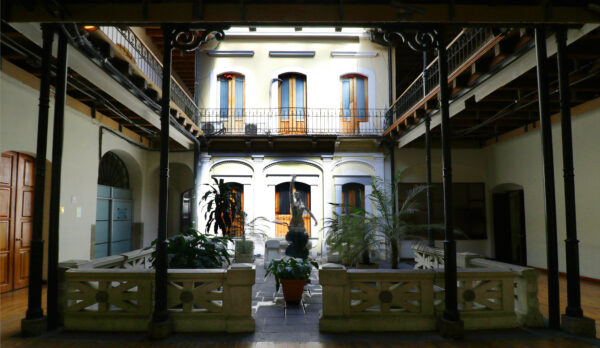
(469,212)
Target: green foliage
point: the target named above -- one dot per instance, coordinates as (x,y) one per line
(192,249)
(351,234)
(254,227)
(391,221)
(290,268)
(222,207)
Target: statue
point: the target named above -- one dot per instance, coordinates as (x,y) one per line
(297,236)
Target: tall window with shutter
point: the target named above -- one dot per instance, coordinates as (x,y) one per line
(231,101)
(354,103)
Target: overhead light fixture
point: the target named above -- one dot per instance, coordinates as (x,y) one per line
(360,54)
(292,54)
(90,28)
(217,53)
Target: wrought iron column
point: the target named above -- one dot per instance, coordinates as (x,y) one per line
(197,183)
(57,152)
(430,238)
(160,317)
(573,321)
(571,243)
(35,313)
(451,310)
(548,163)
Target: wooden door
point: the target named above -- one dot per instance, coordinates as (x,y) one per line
(292,105)
(17,176)
(237,227)
(8,181)
(23,219)
(354,103)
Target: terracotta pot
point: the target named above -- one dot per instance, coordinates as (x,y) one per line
(292,289)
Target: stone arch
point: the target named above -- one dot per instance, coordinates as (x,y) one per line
(136,179)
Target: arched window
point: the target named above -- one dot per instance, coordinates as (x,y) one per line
(282,206)
(114,208)
(354,103)
(113,172)
(353,195)
(292,103)
(231,95)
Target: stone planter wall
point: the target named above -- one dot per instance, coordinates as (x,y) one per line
(412,300)
(525,280)
(198,300)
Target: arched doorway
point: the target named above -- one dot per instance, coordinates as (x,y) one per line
(509,224)
(114,208)
(17,183)
(282,206)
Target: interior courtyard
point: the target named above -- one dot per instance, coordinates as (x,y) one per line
(426,170)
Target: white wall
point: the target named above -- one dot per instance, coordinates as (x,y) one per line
(519,161)
(322,71)
(18,132)
(468,165)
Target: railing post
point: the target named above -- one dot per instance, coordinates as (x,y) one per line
(548,163)
(238,298)
(34,322)
(161,326)
(57,152)
(334,280)
(573,320)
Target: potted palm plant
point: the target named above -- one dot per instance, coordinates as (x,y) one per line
(391,221)
(222,207)
(350,234)
(293,275)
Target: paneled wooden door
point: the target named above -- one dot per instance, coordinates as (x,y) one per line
(292,104)
(17,176)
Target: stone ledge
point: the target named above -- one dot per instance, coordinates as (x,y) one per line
(579,326)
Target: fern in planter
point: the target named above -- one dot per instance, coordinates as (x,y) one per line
(192,249)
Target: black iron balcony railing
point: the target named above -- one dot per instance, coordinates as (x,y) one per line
(292,121)
(151,66)
(460,51)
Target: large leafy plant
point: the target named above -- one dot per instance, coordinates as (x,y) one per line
(290,269)
(222,207)
(351,235)
(192,249)
(391,221)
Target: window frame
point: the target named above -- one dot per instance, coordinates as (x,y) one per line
(354,111)
(232,96)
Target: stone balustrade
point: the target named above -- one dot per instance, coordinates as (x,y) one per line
(525,281)
(412,300)
(527,305)
(101,299)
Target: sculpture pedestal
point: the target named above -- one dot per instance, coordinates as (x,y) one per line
(298,238)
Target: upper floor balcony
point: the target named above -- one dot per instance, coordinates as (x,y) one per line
(292,121)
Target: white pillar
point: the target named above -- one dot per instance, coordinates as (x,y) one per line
(204,182)
(327,197)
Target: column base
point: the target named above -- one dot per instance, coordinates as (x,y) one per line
(579,326)
(160,330)
(33,327)
(451,329)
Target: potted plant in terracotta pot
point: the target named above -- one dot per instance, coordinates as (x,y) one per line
(293,275)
